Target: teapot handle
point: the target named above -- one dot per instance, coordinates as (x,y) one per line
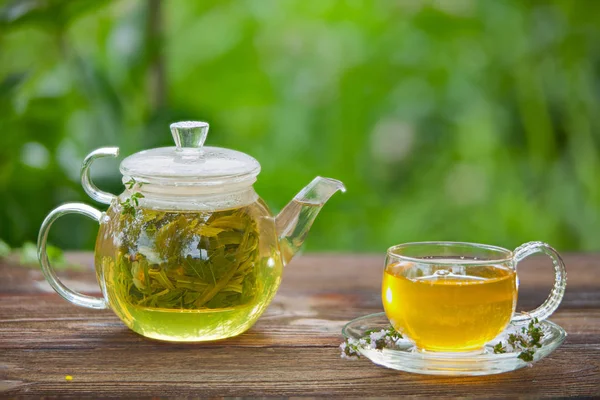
(66,293)
(91,189)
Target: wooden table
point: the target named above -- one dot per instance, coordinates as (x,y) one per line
(292,350)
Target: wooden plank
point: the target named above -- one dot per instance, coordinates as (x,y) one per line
(234,371)
(291,351)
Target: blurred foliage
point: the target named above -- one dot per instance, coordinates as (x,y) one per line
(449,119)
(4,249)
(27,256)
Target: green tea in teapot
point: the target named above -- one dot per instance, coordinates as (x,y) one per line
(189,251)
(170,273)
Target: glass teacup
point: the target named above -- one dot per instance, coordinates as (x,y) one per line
(454,297)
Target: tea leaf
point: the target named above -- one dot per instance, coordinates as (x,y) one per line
(182,260)
(232,222)
(229,237)
(209,231)
(139,275)
(160,276)
(209,294)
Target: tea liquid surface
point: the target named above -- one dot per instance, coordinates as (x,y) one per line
(447,308)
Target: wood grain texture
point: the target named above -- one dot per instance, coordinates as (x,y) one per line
(291,351)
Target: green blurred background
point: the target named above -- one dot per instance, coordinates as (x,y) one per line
(451,119)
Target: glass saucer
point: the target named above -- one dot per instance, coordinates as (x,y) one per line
(405,356)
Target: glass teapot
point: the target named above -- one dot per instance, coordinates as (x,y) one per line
(188,252)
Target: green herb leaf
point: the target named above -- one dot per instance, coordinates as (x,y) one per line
(526,342)
(526,355)
(130,184)
(128,206)
(135,197)
(373,339)
(535,333)
(499,348)
(387,338)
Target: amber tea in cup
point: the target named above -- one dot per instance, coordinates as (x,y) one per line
(452,297)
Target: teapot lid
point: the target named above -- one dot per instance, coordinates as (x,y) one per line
(189,163)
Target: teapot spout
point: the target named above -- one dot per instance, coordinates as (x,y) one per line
(296,218)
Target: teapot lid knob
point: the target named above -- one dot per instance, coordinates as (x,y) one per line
(191,164)
(191,134)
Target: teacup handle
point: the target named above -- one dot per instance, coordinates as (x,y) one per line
(66,293)
(560,281)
